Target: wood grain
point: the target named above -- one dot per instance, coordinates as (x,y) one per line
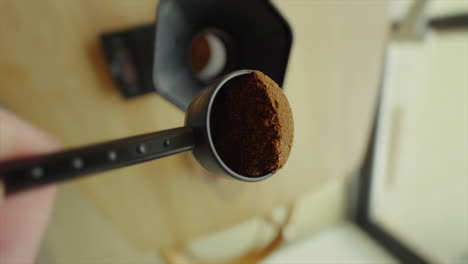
(52,72)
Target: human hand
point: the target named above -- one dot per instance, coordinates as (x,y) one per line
(23,216)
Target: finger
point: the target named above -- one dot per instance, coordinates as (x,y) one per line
(19,138)
(23,217)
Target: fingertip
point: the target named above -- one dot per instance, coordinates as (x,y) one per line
(19,138)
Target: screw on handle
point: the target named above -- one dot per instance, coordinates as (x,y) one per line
(22,174)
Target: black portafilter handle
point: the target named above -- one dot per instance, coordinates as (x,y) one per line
(22,174)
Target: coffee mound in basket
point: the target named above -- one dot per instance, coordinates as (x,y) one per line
(252,125)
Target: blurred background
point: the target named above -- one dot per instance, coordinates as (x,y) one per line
(379,92)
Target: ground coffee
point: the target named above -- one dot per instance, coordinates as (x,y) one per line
(252,125)
(199,53)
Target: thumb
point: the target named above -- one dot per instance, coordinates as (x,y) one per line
(18,138)
(23,216)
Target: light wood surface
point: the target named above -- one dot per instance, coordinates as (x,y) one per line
(52,73)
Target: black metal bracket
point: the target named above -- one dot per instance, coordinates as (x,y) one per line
(130,58)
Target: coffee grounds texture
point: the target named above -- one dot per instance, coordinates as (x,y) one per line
(252,125)
(200,53)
